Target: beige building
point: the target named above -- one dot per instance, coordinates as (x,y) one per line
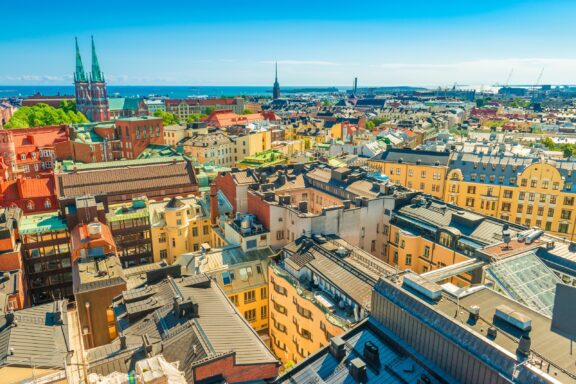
(214,148)
(179,226)
(173,134)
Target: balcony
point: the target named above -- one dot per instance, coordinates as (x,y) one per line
(339,317)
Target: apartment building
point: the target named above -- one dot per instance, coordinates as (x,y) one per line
(423,171)
(180,226)
(243,276)
(130,226)
(13,284)
(183,108)
(214,148)
(319,288)
(137,133)
(46,257)
(524,190)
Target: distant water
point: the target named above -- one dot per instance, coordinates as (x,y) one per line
(146,90)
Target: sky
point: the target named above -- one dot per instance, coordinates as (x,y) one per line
(383,43)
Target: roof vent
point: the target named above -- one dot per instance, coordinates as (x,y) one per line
(514,318)
(337,348)
(492,333)
(358,370)
(401,160)
(524,345)
(371,354)
(474,312)
(341,251)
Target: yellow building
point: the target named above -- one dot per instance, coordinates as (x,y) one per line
(179,226)
(318,289)
(214,148)
(524,191)
(251,143)
(423,171)
(242,275)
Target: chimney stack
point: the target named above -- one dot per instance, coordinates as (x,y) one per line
(213,204)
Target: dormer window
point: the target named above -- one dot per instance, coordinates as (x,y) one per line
(23,156)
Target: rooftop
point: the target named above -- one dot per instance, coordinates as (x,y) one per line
(42,223)
(95,273)
(409,156)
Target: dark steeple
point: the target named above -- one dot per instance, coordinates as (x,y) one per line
(276,89)
(96,75)
(79,75)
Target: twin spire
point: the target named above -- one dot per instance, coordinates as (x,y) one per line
(96,75)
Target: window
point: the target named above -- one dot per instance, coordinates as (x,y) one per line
(529,210)
(280,327)
(47,204)
(373,246)
(524,182)
(426,251)
(548,226)
(258,269)
(410,172)
(545,184)
(250,315)
(568,200)
(553,199)
(423,174)
(533,183)
(555,185)
(194,231)
(566,214)
(305,334)
(251,244)
(563,227)
(469,202)
(550,212)
(234,299)
(280,235)
(206,230)
(506,207)
(163,254)
(173,243)
(179,222)
(446,239)
(279,308)
(263,293)
(395,257)
(264,312)
(521,195)
(542,198)
(424,269)
(402,244)
(540,211)
(408,259)
(279,289)
(226,279)
(249,297)
(245,273)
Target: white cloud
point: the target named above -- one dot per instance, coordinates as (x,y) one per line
(299,62)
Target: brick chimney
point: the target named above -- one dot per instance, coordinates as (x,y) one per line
(213,204)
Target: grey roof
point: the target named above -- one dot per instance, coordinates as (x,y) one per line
(148,313)
(506,167)
(354,274)
(438,214)
(323,367)
(471,335)
(410,156)
(37,336)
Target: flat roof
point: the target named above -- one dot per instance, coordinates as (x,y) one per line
(45,222)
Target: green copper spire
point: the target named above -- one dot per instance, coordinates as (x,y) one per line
(97,75)
(79,75)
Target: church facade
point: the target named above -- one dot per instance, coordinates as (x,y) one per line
(90,90)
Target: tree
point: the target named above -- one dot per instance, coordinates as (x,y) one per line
(68,106)
(43,114)
(209,110)
(167,117)
(246,112)
(195,117)
(548,143)
(370,125)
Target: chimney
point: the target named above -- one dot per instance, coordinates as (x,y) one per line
(371,354)
(524,345)
(358,370)
(213,204)
(337,348)
(122,338)
(303,206)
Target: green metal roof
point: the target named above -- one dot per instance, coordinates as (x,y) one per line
(46,222)
(69,166)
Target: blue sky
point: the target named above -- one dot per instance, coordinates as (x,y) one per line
(315,43)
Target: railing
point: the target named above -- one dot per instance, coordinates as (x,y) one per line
(333,318)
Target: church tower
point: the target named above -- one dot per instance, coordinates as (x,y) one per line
(276,88)
(81,86)
(98,94)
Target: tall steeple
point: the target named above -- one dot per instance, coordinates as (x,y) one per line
(276,88)
(79,74)
(97,75)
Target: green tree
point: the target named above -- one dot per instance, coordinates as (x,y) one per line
(209,110)
(42,115)
(167,117)
(548,143)
(195,117)
(68,106)
(370,125)
(246,112)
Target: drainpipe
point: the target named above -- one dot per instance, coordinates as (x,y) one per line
(90,334)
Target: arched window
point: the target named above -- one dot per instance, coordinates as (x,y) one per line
(47,204)
(30,205)
(23,156)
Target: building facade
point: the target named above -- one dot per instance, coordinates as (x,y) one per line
(90,91)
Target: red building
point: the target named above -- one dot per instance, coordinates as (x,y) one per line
(30,152)
(227,118)
(53,101)
(6,111)
(12,283)
(137,133)
(33,195)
